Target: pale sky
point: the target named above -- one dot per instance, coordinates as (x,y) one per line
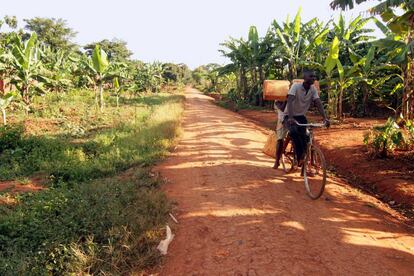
(187,31)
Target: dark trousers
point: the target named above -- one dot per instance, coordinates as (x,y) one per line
(298,135)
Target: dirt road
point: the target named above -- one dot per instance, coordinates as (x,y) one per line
(238,216)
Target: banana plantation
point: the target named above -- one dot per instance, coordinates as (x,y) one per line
(360,74)
(33,65)
(106,159)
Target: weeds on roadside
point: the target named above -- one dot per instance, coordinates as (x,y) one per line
(383,140)
(89,219)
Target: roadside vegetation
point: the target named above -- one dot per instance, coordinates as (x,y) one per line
(81,127)
(360,75)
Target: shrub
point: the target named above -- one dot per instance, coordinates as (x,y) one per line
(103,226)
(384,139)
(10,137)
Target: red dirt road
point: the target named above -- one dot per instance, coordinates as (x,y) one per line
(238,216)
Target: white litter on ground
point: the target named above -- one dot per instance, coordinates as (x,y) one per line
(163,246)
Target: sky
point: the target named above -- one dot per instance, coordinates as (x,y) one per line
(187,31)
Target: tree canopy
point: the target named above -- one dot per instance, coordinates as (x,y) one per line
(52,32)
(116,49)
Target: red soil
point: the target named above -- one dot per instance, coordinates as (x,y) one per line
(391,179)
(238,216)
(33,185)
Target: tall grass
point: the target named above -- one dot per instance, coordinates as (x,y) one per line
(93,217)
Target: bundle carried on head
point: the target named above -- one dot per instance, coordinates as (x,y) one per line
(277,90)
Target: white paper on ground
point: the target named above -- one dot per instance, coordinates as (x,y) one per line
(163,246)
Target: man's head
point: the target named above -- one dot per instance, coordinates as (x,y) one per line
(309,76)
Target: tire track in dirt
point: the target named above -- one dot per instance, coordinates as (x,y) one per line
(238,216)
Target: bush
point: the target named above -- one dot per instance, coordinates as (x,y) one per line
(10,137)
(103,226)
(410,129)
(83,223)
(382,140)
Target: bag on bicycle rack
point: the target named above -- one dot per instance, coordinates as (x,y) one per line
(270,147)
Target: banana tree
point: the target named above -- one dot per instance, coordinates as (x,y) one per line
(345,80)
(59,74)
(366,74)
(27,67)
(400,52)
(399,18)
(119,75)
(327,69)
(5,101)
(351,35)
(290,42)
(99,65)
(118,89)
(237,51)
(148,77)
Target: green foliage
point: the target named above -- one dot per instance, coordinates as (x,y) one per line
(52,32)
(27,67)
(106,226)
(410,129)
(149,77)
(82,222)
(10,137)
(116,148)
(116,49)
(384,139)
(4,103)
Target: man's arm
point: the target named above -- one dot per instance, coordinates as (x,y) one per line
(319,105)
(290,101)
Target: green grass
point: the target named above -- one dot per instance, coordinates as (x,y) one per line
(227,103)
(93,217)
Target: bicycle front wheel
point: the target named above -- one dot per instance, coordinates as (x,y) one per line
(314,172)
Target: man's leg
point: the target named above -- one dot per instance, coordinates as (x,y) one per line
(302,138)
(279,150)
(296,139)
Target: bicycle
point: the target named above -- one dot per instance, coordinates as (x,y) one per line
(314,165)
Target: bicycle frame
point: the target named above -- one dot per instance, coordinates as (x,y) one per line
(309,128)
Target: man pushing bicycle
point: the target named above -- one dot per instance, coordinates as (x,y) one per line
(300,97)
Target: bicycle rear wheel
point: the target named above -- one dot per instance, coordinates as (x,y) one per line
(314,172)
(288,157)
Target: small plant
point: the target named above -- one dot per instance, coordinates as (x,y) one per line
(384,139)
(10,137)
(410,129)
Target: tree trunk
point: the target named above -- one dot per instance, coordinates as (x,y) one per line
(365,92)
(26,98)
(291,77)
(254,85)
(117,101)
(245,89)
(340,102)
(331,102)
(101,96)
(2,85)
(95,89)
(261,80)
